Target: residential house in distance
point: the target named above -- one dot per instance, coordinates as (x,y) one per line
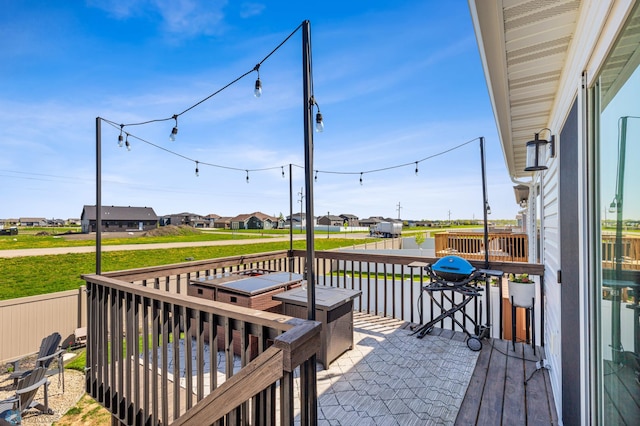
(222,222)
(330,220)
(563,79)
(33,221)
(187,219)
(298,220)
(351,219)
(373,220)
(119,219)
(255,220)
(212,219)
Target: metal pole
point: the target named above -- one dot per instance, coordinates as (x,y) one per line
(301,193)
(328,224)
(307,103)
(308,167)
(485,203)
(616,343)
(291,262)
(98,196)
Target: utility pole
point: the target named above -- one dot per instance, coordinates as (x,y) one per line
(449,217)
(398,207)
(300,194)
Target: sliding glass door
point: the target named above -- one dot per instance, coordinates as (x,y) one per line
(617,263)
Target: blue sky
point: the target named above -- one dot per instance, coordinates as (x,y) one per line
(396,82)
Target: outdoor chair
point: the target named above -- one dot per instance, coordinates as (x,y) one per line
(12,409)
(49,351)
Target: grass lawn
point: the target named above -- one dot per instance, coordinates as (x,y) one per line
(33,275)
(25,241)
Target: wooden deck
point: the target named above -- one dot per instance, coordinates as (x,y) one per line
(622,398)
(497,393)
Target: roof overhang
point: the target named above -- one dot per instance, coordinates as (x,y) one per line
(524,46)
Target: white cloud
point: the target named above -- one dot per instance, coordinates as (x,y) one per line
(250,9)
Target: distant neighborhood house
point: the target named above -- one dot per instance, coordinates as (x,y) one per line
(119,219)
(351,219)
(33,221)
(255,220)
(222,222)
(331,220)
(189,219)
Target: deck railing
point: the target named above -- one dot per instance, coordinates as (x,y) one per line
(152,357)
(503,247)
(630,245)
(135,316)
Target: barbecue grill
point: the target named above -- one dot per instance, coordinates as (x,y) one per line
(448,276)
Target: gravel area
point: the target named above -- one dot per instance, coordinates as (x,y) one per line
(59,401)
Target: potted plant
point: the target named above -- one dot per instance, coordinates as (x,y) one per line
(522,290)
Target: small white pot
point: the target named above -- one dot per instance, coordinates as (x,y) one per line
(522,294)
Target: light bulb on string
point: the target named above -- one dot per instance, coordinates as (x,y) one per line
(120,139)
(416,168)
(257,91)
(613,207)
(282,171)
(127,144)
(319,122)
(315,178)
(247,179)
(197,171)
(360,178)
(174,131)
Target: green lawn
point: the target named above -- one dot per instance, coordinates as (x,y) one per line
(24,241)
(30,276)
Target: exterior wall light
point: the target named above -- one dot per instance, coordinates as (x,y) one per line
(522,194)
(535,152)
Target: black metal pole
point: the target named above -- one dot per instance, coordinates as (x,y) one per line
(291,262)
(485,203)
(308,103)
(98,196)
(308,167)
(616,342)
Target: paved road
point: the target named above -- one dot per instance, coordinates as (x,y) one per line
(92,248)
(123,247)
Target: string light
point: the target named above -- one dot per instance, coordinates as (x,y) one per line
(120,141)
(416,163)
(319,122)
(257,91)
(197,171)
(174,131)
(613,205)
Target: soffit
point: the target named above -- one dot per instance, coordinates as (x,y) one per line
(524,45)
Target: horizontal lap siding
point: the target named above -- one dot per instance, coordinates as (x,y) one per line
(27,320)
